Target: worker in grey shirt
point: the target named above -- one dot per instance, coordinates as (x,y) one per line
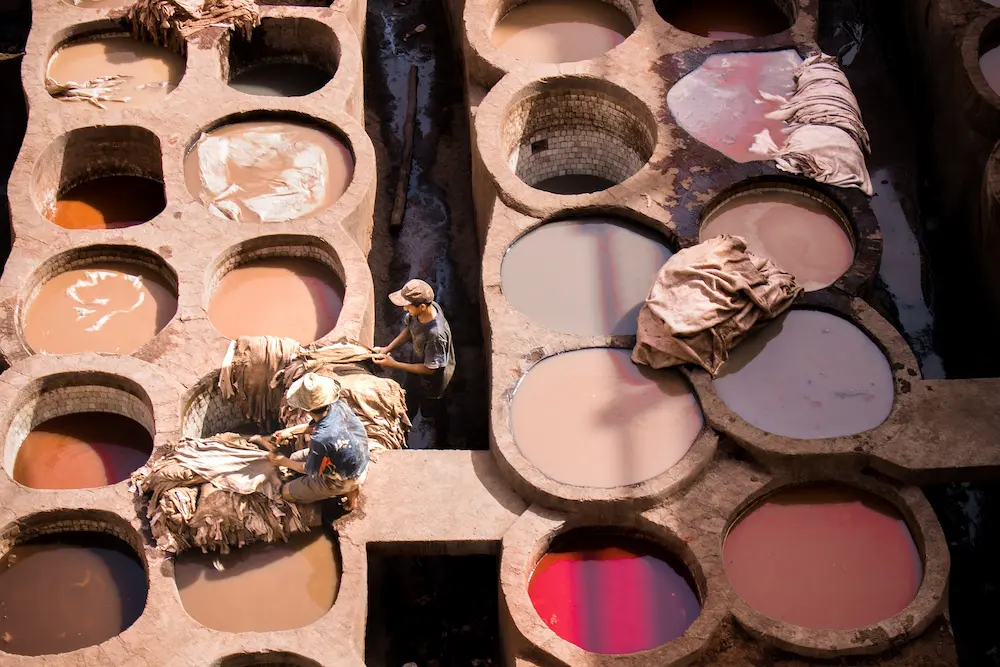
(433,362)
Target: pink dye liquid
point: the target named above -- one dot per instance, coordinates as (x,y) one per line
(612,594)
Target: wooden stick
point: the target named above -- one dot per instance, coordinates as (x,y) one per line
(406,164)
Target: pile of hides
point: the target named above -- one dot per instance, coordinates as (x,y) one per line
(171,22)
(95,91)
(258,370)
(827,140)
(705,300)
(216,493)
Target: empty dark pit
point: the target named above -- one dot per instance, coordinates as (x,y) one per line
(432,610)
(728,19)
(82,450)
(109,202)
(64,591)
(611,593)
(270,659)
(284,57)
(989,55)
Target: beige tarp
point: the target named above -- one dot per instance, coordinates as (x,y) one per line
(258,370)
(827,140)
(704,301)
(216,493)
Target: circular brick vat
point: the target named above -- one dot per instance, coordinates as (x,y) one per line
(284,57)
(102,177)
(69,579)
(101,298)
(989,55)
(729,19)
(823,556)
(575,136)
(133,72)
(288,286)
(78,430)
(268,659)
(825,377)
(585,275)
(207,413)
(593,418)
(561,31)
(262,167)
(611,592)
(801,230)
(296,582)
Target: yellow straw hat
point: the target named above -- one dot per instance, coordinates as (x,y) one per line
(312,392)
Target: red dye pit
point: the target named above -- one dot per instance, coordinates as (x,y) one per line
(824,557)
(82,451)
(612,594)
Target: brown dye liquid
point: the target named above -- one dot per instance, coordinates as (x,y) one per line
(561,31)
(573,184)
(152,71)
(808,374)
(268,172)
(62,592)
(113,307)
(293,298)
(824,557)
(989,63)
(586,276)
(280,79)
(110,202)
(726,19)
(83,450)
(799,233)
(720,103)
(262,588)
(594,418)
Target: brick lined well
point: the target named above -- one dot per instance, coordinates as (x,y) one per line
(269,659)
(69,393)
(208,413)
(269,247)
(284,40)
(578,128)
(94,152)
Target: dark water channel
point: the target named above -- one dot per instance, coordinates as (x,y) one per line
(916,291)
(437,238)
(15,22)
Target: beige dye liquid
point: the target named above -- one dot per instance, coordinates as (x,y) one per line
(561,31)
(268,172)
(109,307)
(594,418)
(261,588)
(798,232)
(292,298)
(153,71)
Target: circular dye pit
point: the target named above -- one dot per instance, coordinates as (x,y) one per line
(612,594)
(594,418)
(109,202)
(724,19)
(573,184)
(149,71)
(291,298)
(808,374)
(586,276)
(113,307)
(65,591)
(989,63)
(261,588)
(802,234)
(82,450)
(268,171)
(824,557)
(280,79)
(561,31)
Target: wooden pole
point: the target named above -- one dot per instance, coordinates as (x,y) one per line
(406,163)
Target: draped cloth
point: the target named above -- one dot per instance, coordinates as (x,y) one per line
(705,300)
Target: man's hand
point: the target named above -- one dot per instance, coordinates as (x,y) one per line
(386,362)
(380,350)
(278,460)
